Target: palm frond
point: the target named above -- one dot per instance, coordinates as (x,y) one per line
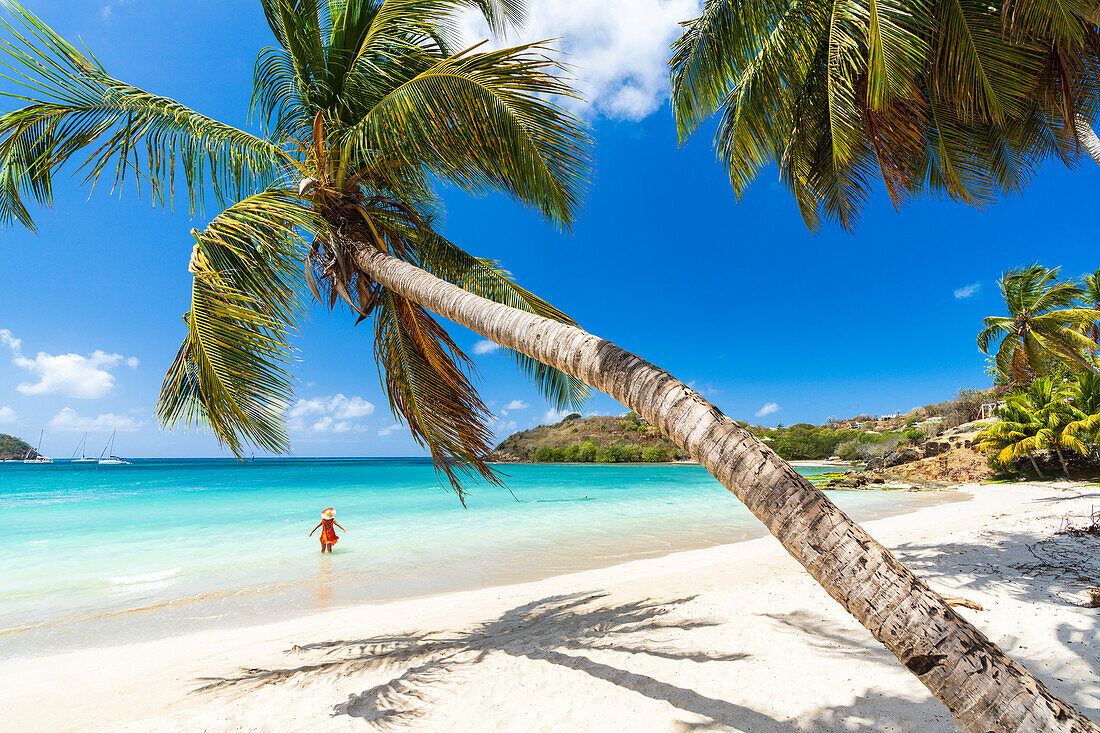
(230,374)
(994,329)
(72,103)
(421,368)
(483,121)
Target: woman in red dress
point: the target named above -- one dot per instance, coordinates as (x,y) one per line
(328,534)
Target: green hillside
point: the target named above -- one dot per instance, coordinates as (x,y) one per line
(13,447)
(600,439)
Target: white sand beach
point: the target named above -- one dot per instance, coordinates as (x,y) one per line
(735,637)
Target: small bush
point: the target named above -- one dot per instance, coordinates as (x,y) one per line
(587,452)
(655,454)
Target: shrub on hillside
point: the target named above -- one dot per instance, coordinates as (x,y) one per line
(586,453)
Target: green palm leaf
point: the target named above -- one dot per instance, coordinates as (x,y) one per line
(73,103)
(230,374)
(481,120)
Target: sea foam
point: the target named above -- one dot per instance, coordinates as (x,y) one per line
(146,577)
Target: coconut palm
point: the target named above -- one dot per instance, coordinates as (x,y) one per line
(1044,323)
(958,98)
(366,104)
(1039,418)
(1084,396)
(1012,437)
(1090,287)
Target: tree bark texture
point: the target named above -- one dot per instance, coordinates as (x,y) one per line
(984,689)
(1088,139)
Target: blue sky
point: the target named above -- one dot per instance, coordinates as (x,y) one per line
(737,298)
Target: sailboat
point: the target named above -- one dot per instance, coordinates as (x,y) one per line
(80,448)
(109,450)
(38,457)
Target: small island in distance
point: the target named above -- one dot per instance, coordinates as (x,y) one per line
(598,439)
(14,449)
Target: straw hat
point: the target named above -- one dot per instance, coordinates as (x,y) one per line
(328,513)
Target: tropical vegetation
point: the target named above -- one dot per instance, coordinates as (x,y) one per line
(596,439)
(1047,357)
(365,104)
(1050,323)
(963,99)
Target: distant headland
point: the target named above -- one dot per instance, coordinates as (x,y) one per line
(12,448)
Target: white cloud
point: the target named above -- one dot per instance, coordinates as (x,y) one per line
(71,421)
(618,50)
(6,339)
(485,346)
(344,408)
(389,430)
(329,425)
(86,377)
(516,405)
(967,290)
(707,390)
(7,415)
(329,414)
(108,8)
(554,416)
(769,408)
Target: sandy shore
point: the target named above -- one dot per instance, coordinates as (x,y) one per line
(735,637)
(838,465)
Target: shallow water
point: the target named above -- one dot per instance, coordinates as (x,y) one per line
(99,555)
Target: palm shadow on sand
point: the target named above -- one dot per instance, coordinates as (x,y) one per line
(557,630)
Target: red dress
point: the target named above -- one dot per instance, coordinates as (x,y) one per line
(328,533)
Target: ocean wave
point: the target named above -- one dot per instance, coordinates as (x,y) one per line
(146,577)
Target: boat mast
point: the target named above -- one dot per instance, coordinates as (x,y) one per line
(80,447)
(110,444)
(39,448)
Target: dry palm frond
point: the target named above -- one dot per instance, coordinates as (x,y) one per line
(422,370)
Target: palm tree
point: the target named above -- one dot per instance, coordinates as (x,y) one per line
(959,98)
(1011,437)
(366,103)
(1091,296)
(1084,395)
(1038,418)
(1044,322)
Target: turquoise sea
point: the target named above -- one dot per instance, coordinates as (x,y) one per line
(99,555)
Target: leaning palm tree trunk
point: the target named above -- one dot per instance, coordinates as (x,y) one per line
(983,688)
(1087,137)
(1035,465)
(1062,460)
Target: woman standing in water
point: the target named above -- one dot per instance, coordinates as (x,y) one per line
(328,534)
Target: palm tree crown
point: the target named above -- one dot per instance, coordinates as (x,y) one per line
(960,97)
(1044,322)
(364,104)
(1046,415)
